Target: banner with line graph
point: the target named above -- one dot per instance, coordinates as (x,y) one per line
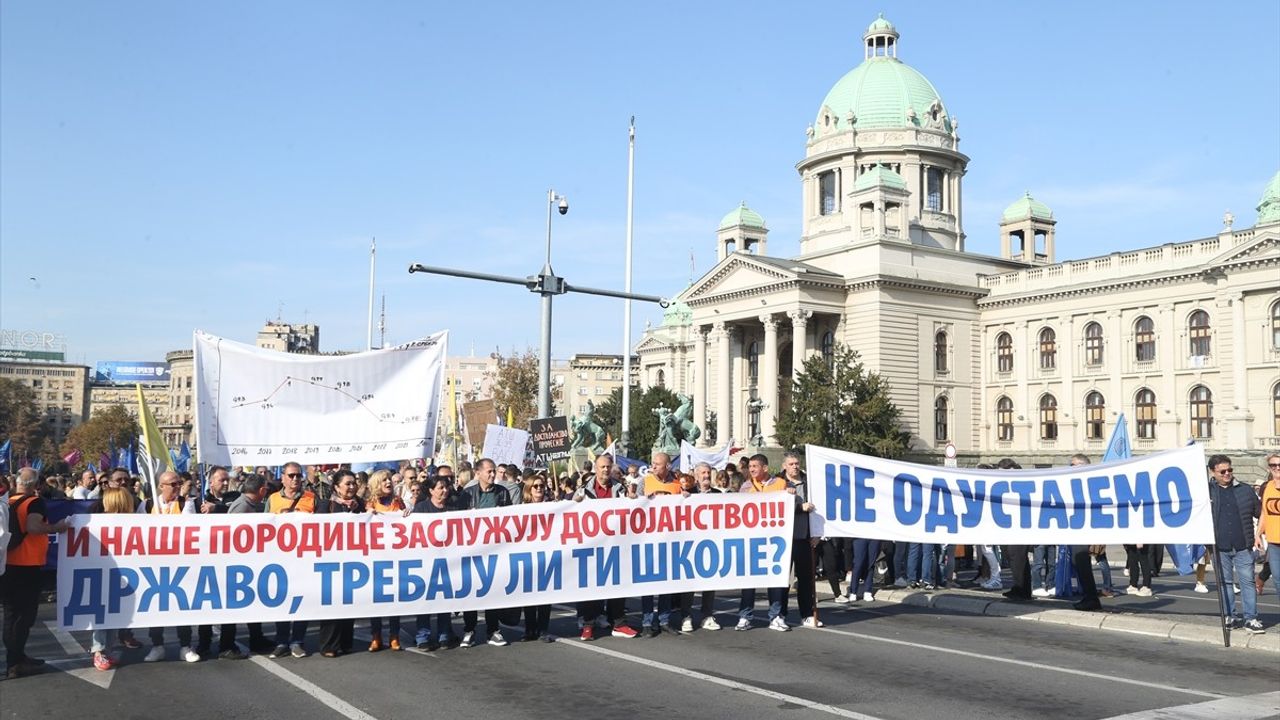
(262,407)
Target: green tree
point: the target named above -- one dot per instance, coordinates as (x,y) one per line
(644,423)
(515,387)
(114,427)
(21,421)
(841,405)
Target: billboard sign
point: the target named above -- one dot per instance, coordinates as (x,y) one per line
(45,355)
(117,372)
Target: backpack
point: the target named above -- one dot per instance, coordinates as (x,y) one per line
(16,532)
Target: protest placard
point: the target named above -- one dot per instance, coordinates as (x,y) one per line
(550,439)
(503,444)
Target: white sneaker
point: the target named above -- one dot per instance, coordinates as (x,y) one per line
(497,640)
(867,597)
(1145,592)
(779,624)
(743,624)
(1202,588)
(1040,592)
(1126,572)
(841,599)
(1235,589)
(468,640)
(155,654)
(1131,590)
(1050,592)
(297,650)
(709,623)
(900,583)
(809,622)
(189,655)
(686,625)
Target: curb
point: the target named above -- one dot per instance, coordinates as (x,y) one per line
(1168,629)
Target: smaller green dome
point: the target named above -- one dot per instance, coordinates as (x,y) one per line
(742,215)
(1269,206)
(1027,207)
(677,314)
(879,175)
(880,26)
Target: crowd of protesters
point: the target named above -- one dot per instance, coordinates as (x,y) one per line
(1246,520)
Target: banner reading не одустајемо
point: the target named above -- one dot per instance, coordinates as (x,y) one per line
(166,570)
(1162,498)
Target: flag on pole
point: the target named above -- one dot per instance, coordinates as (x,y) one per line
(104,460)
(691,456)
(153,456)
(72,457)
(5,451)
(511,418)
(1118,445)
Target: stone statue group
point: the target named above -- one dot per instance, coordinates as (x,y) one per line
(673,426)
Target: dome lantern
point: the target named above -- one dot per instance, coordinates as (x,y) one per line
(881,39)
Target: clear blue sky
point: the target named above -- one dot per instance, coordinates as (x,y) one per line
(167,166)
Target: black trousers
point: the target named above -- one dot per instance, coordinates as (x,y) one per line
(837,559)
(1083,561)
(802,558)
(708,604)
(1020,568)
(471,618)
(1138,560)
(337,636)
(20,593)
(226,637)
(591,609)
(184,635)
(537,618)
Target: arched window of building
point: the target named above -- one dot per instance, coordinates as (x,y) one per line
(827,346)
(941,433)
(1048,417)
(1275,411)
(1093,344)
(940,352)
(1144,410)
(1201,412)
(753,361)
(1004,352)
(933,189)
(1095,413)
(1004,419)
(1144,339)
(826,193)
(1048,349)
(1198,332)
(1275,325)
(661,379)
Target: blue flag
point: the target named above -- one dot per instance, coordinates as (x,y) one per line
(4,452)
(182,463)
(1118,445)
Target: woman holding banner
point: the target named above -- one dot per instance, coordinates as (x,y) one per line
(383,499)
(337,636)
(537,618)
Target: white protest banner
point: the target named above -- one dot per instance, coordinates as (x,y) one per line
(262,407)
(505,445)
(691,456)
(1161,498)
(166,570)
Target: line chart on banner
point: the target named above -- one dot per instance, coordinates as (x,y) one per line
(257,406)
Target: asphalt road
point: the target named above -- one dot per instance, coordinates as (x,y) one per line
(878,662)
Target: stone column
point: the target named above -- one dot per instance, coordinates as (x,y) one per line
(723,371)
(768,381)
(700,382)
(1237,433)
(799,338)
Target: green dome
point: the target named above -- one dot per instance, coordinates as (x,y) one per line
(1027,207)
(879,175)
(677,314)
(1269,205)
(742,215)
(882,92)
(880,26)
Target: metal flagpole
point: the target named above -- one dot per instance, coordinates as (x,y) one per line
(1222,599)
(626,287)
(373,261)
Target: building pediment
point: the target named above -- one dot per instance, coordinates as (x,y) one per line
(752,274)
(1260,248)
(652,343)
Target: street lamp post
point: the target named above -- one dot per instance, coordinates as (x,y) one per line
(544,362)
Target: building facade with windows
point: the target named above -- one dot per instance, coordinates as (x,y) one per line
(592,377)
(61,392)
(1017,355)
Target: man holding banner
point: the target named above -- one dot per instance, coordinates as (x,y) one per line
(291,498)
(1235,507)
(760,481)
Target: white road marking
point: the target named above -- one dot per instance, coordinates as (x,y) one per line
(69,644)
(333,702)
(91,675)
(1247,707)
(1021,663)
(731,684)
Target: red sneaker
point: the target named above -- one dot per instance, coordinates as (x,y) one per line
(622,630)
(588,633)
(103,661)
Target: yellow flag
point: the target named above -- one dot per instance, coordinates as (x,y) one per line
(153,455)
(511,418)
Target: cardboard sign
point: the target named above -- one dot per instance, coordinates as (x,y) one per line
(550,439)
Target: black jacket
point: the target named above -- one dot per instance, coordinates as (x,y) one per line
(1246,501)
